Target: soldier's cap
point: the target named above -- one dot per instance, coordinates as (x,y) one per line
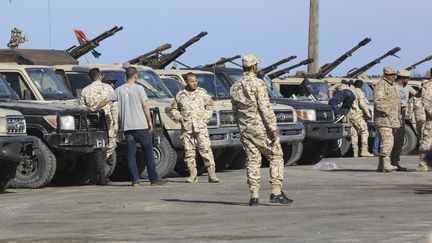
(389,70)
(250,60)
(403,73)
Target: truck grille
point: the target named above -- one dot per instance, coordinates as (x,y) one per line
(227,119)
(89,122)
(324,115)
(15,125)
(284,116)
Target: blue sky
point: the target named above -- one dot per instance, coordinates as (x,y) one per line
(271,29)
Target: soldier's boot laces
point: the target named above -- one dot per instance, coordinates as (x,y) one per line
(193,175)
(387,166)
(212,178)
(365,153)
(422,167)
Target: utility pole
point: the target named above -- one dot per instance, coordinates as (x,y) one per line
(313,36)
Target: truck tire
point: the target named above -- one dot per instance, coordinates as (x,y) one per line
(410,141)
(7,173)
(224,159)
(121,171)
(37,171)
(111,164)
(338,147)
(82,172)
(313,153)
(165,159)
(292,153)
(239,161)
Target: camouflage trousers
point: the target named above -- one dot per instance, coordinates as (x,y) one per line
(197,140)
(425,140)
(112,144)
(254,147)
(419,128)
(391,142)
(359,127)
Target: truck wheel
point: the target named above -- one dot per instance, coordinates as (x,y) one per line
(292,152)
(121,171)
(165,158)
(7,172)
(36,171)
(111,164)
(312,153)
(338,147)
(82,172)
(239,161)
(410,141)
(224,159)
(181,168)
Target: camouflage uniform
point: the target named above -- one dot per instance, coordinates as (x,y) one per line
(197,108)
(418,115)
(90,96)
(388,121)
(359,110)
(426,139)
(255,119)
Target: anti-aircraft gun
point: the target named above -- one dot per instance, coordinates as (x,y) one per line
(79,51)
(355,72)
(165,60)
(288,69)
(328,67)
(413,66)
(263,71)
(151,56)
(221,61)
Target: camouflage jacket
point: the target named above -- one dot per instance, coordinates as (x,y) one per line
(386,105)
(416,112)
(251,105)
(359,109)
(426,99)
(196,107)
(95,92)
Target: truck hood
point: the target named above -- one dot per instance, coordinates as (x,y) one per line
(40,107)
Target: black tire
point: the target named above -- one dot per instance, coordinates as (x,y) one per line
(292,153)
(313,153)
(37,171)
(7,172)
(239,161)
(338,147)
(224,159)
(121,171)
(182,170)
(111,164)
(81,172)
(165,159)
(410,141)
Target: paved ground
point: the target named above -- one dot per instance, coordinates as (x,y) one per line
(351,204)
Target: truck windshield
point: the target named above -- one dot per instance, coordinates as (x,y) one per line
(48,84)
(368,92)
(6,91)
(319,90)
(235,76)
(155,83)
(272,89)
(173,85)
(213,86)
(119,77)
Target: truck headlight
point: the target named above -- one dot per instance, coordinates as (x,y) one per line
(66,122)
(306,114)
(285,116)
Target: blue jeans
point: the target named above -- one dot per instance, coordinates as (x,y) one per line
(376,143)
(144,138)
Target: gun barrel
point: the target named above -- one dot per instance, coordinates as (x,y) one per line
(142,59)
(288,69)
(328,67)
(222,61)
(85,48)
(413,66)
(268,69)
(167,59)
(355,72)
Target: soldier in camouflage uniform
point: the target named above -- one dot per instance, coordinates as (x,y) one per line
(387,117)
(417,113)
(193,108)
(426,138)
(259,135)
(90,96)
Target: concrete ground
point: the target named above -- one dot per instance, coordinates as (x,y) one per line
(350,204)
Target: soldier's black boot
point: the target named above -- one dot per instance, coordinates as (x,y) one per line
(281,198)
(253,202)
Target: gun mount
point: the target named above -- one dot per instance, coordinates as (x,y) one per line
(355,72)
